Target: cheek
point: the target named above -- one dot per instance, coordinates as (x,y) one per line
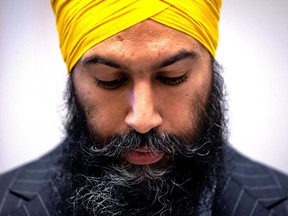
(105,115)
(177,117)
(183,112)
(105,111)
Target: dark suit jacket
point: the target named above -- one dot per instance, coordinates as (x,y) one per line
(251,189)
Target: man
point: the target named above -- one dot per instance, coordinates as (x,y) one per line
(146,129)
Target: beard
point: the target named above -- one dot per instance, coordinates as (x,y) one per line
(93,178)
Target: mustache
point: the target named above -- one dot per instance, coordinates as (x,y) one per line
(155,140)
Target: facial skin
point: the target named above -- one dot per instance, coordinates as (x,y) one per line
(146,77)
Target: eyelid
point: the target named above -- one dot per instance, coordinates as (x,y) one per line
(175,73)
(171,74)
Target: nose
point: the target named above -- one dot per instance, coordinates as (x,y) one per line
(142,115)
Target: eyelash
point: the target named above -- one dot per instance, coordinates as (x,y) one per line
(111,85)
(172,81)
(115,84)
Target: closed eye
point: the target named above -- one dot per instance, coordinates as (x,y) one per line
(117,83)
(111,85)
(172,80)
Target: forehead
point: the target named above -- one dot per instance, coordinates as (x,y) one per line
(146,37)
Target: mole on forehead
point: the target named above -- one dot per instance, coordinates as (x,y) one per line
(119,38)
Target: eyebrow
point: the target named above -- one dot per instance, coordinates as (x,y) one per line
(183,54)
(95,59)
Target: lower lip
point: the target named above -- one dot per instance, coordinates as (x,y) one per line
(140,157)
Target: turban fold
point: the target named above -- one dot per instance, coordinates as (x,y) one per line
(82,24)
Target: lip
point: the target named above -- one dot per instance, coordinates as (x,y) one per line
(143,156)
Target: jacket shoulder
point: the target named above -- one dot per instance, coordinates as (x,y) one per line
(255,189)
(23,184)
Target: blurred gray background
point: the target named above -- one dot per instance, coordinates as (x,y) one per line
(253,50)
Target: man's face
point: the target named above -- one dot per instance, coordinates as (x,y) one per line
(146,77)
(145,127)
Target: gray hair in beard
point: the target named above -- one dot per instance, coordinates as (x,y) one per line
(95,181)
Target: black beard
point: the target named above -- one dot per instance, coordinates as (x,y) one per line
(93,179)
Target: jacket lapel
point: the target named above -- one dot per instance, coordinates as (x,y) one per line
(253,189)
(37,205)
(31,188)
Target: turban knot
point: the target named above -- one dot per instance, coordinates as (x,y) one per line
(82,24)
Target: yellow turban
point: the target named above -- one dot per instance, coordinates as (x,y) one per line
(84,23)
